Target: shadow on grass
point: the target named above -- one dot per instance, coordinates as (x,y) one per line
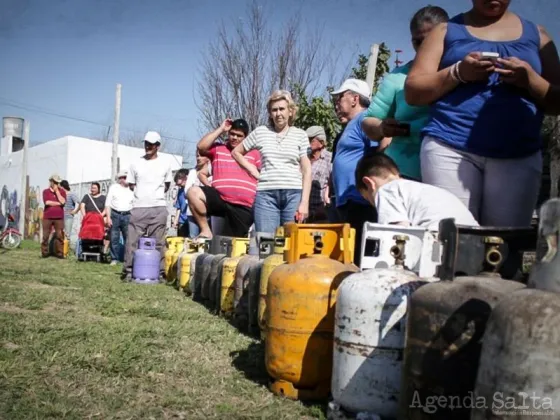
(251,362)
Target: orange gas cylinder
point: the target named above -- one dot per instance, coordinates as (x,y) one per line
(300,311)
(300,240)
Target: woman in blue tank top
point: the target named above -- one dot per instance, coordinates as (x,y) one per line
(490,77)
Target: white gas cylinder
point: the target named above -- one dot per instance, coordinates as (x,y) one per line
(370,321)
(423,250)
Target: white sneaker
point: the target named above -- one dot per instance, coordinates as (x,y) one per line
(113,262)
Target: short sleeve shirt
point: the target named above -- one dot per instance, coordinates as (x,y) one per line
(280,156)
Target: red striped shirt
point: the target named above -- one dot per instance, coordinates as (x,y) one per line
(232,182)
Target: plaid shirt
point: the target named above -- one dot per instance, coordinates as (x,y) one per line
(320,171)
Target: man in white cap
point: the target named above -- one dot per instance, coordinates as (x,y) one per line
(54,199)
(321,168)
(352,100)
(118,206)
(150,178)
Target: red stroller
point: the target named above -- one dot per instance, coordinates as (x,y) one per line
(92,234)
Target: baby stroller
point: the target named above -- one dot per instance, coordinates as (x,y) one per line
(91,236)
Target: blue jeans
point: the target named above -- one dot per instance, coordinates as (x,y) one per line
(120,226)
(194,230)
(273,208)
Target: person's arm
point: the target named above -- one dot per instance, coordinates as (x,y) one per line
(426,83)
(208,140)
(76,208)
(242,149)
(203,175)
(108,200)
(61,197)
(83,208)
(544,88)
(305,166)
(168,179)
(131,177)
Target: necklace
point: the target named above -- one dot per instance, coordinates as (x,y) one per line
(280,137)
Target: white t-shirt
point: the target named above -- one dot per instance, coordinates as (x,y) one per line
(150,177)
(120,198)
(419,204)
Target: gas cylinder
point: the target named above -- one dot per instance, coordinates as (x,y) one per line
(146,261)
(171,255)
(519,374)
(191,251)
(265,249)
(227,280)
(219,245)
(65,246)
(269,264)
(301,300)
(213,283)
(241,295)
(201,273)
(446,322)
(300,241)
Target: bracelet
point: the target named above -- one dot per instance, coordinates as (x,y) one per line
(458,73)
(452,73)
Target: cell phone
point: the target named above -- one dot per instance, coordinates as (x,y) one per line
(489,56)
(405,127)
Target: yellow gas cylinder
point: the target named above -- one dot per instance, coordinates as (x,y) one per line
(171,257)
(300,311)
(300,240)
(192,250)
(66,247)
(269,264)
(239,248)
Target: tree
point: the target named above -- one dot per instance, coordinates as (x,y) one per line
(382,66)
(242,67)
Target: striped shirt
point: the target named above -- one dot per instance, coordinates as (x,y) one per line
(280,155)
(232,182)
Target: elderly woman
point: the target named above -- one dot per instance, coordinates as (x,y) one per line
(490,76)
(390,119)
(285,177)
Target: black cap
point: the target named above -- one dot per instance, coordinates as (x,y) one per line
(240,124)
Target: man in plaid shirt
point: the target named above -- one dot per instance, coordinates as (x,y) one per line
(321,167)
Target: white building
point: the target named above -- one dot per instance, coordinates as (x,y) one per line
(79,160)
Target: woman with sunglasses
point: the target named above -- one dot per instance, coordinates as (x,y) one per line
(390,117)
(285,177)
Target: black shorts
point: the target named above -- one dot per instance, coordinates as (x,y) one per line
(183,229)
(238,218)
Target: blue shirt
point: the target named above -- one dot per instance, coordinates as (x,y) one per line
(351,146)
(181,204)
(490,119)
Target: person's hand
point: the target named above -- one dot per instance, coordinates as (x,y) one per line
(326,198)
(474,69)
(109,222)
(302,212)
(390,128)
(515,71)
(55,187)
(254,172)
(226,125)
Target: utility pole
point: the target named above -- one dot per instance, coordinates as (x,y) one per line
(116,125)
(372,65)
(23,190)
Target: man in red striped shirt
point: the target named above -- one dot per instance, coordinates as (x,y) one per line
(233,189)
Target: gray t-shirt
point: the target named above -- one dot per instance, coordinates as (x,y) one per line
(419,204)
(71,202)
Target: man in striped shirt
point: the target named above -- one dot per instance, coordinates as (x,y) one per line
(233,189)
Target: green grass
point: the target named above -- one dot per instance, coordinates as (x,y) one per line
(77,343)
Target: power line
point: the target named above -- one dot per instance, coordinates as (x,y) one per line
(33,108)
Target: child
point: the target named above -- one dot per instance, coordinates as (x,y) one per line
(403,202)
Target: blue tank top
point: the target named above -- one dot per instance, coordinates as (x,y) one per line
(490,119)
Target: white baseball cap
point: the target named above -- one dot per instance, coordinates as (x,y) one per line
(152,137)
(122,174)
(355,85)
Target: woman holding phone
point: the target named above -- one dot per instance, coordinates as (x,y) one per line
(482,141)
(285,177)
(389,119)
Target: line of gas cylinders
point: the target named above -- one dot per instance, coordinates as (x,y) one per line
(381,342)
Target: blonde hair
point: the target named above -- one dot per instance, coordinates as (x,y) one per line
(282,95)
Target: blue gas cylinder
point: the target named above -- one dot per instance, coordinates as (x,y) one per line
(146,262)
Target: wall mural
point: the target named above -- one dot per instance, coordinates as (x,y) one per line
(34,213)
(8,205)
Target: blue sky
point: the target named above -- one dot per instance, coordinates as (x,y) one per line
(65,56)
